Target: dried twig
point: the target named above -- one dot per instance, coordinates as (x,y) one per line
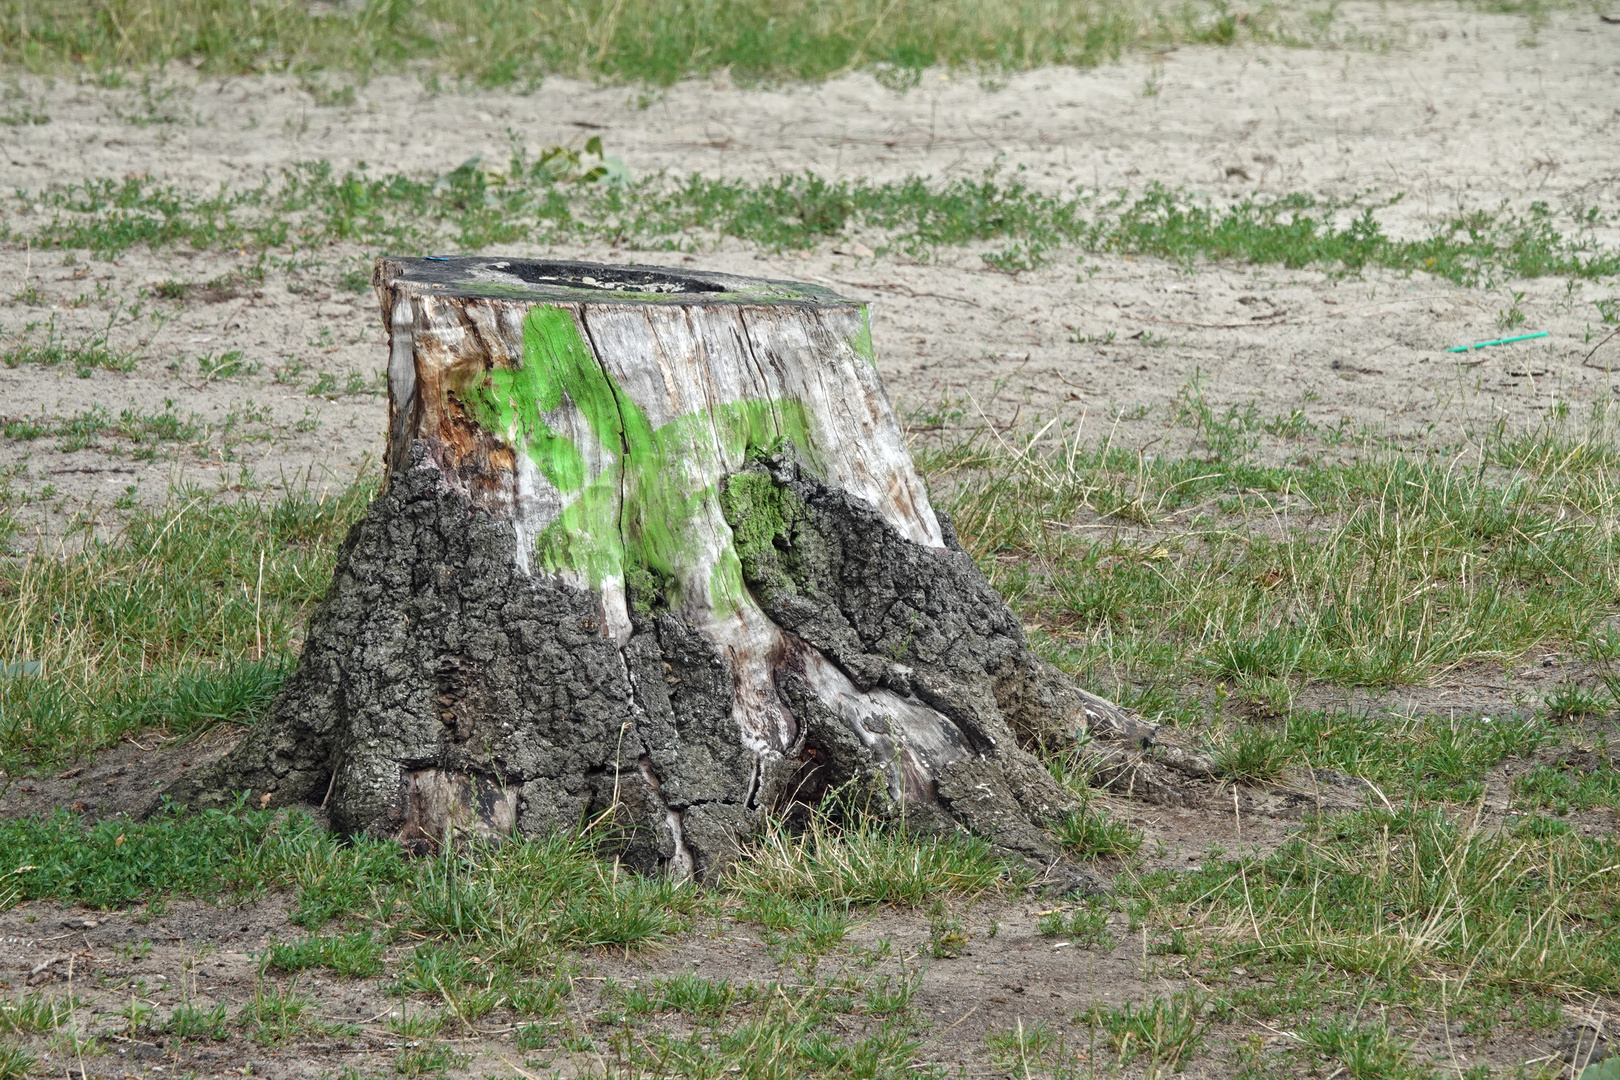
(1587,361)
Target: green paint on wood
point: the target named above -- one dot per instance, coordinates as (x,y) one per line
(661,514)
(556,360)
(863,338)
(636,520)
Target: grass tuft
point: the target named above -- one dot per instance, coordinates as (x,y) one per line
(82,428)
(358,954)
(1083,926)
(524,900)
(687,993)
(274,1014)
(49,348)
(867,863)
(1366,1051)
(15,1062)
(189,1021)
(1090,834)
(1253,755)
(35,1013)
(1167,1031)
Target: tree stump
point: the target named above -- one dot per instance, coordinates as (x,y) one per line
(650,543)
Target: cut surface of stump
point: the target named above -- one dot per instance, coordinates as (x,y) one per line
(651,544)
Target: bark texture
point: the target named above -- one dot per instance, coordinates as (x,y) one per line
(651,544)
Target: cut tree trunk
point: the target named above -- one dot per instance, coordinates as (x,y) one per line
(651,545)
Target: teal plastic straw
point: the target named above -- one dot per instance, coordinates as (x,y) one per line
(1496,341)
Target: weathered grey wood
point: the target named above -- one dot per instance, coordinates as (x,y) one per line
(651,546)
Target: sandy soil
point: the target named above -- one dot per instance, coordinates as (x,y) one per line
(1453,109)
(1429,100)
(1450,108)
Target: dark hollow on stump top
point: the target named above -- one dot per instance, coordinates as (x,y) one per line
(650,544)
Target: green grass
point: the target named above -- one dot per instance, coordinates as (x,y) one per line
(520,902)
(276,1014)
(1437,757)
(357,954)
(15,1062)
(227,286)
(1367,1051)
(536,201)
(1216,568)
(496,42)
(866,863)
(491,928)
(171,624)
(1026,1050)
(1083,926)
(35,1013)
(687,993)
(116,862)
(1390,894)
(1253,755)
(1472,247)
(1166,1031)
(781,1035)
(1563,788)
(435,1060)
(1089,834)
(189,1021)
(796,926)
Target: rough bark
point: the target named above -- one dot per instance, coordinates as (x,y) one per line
(651,545)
